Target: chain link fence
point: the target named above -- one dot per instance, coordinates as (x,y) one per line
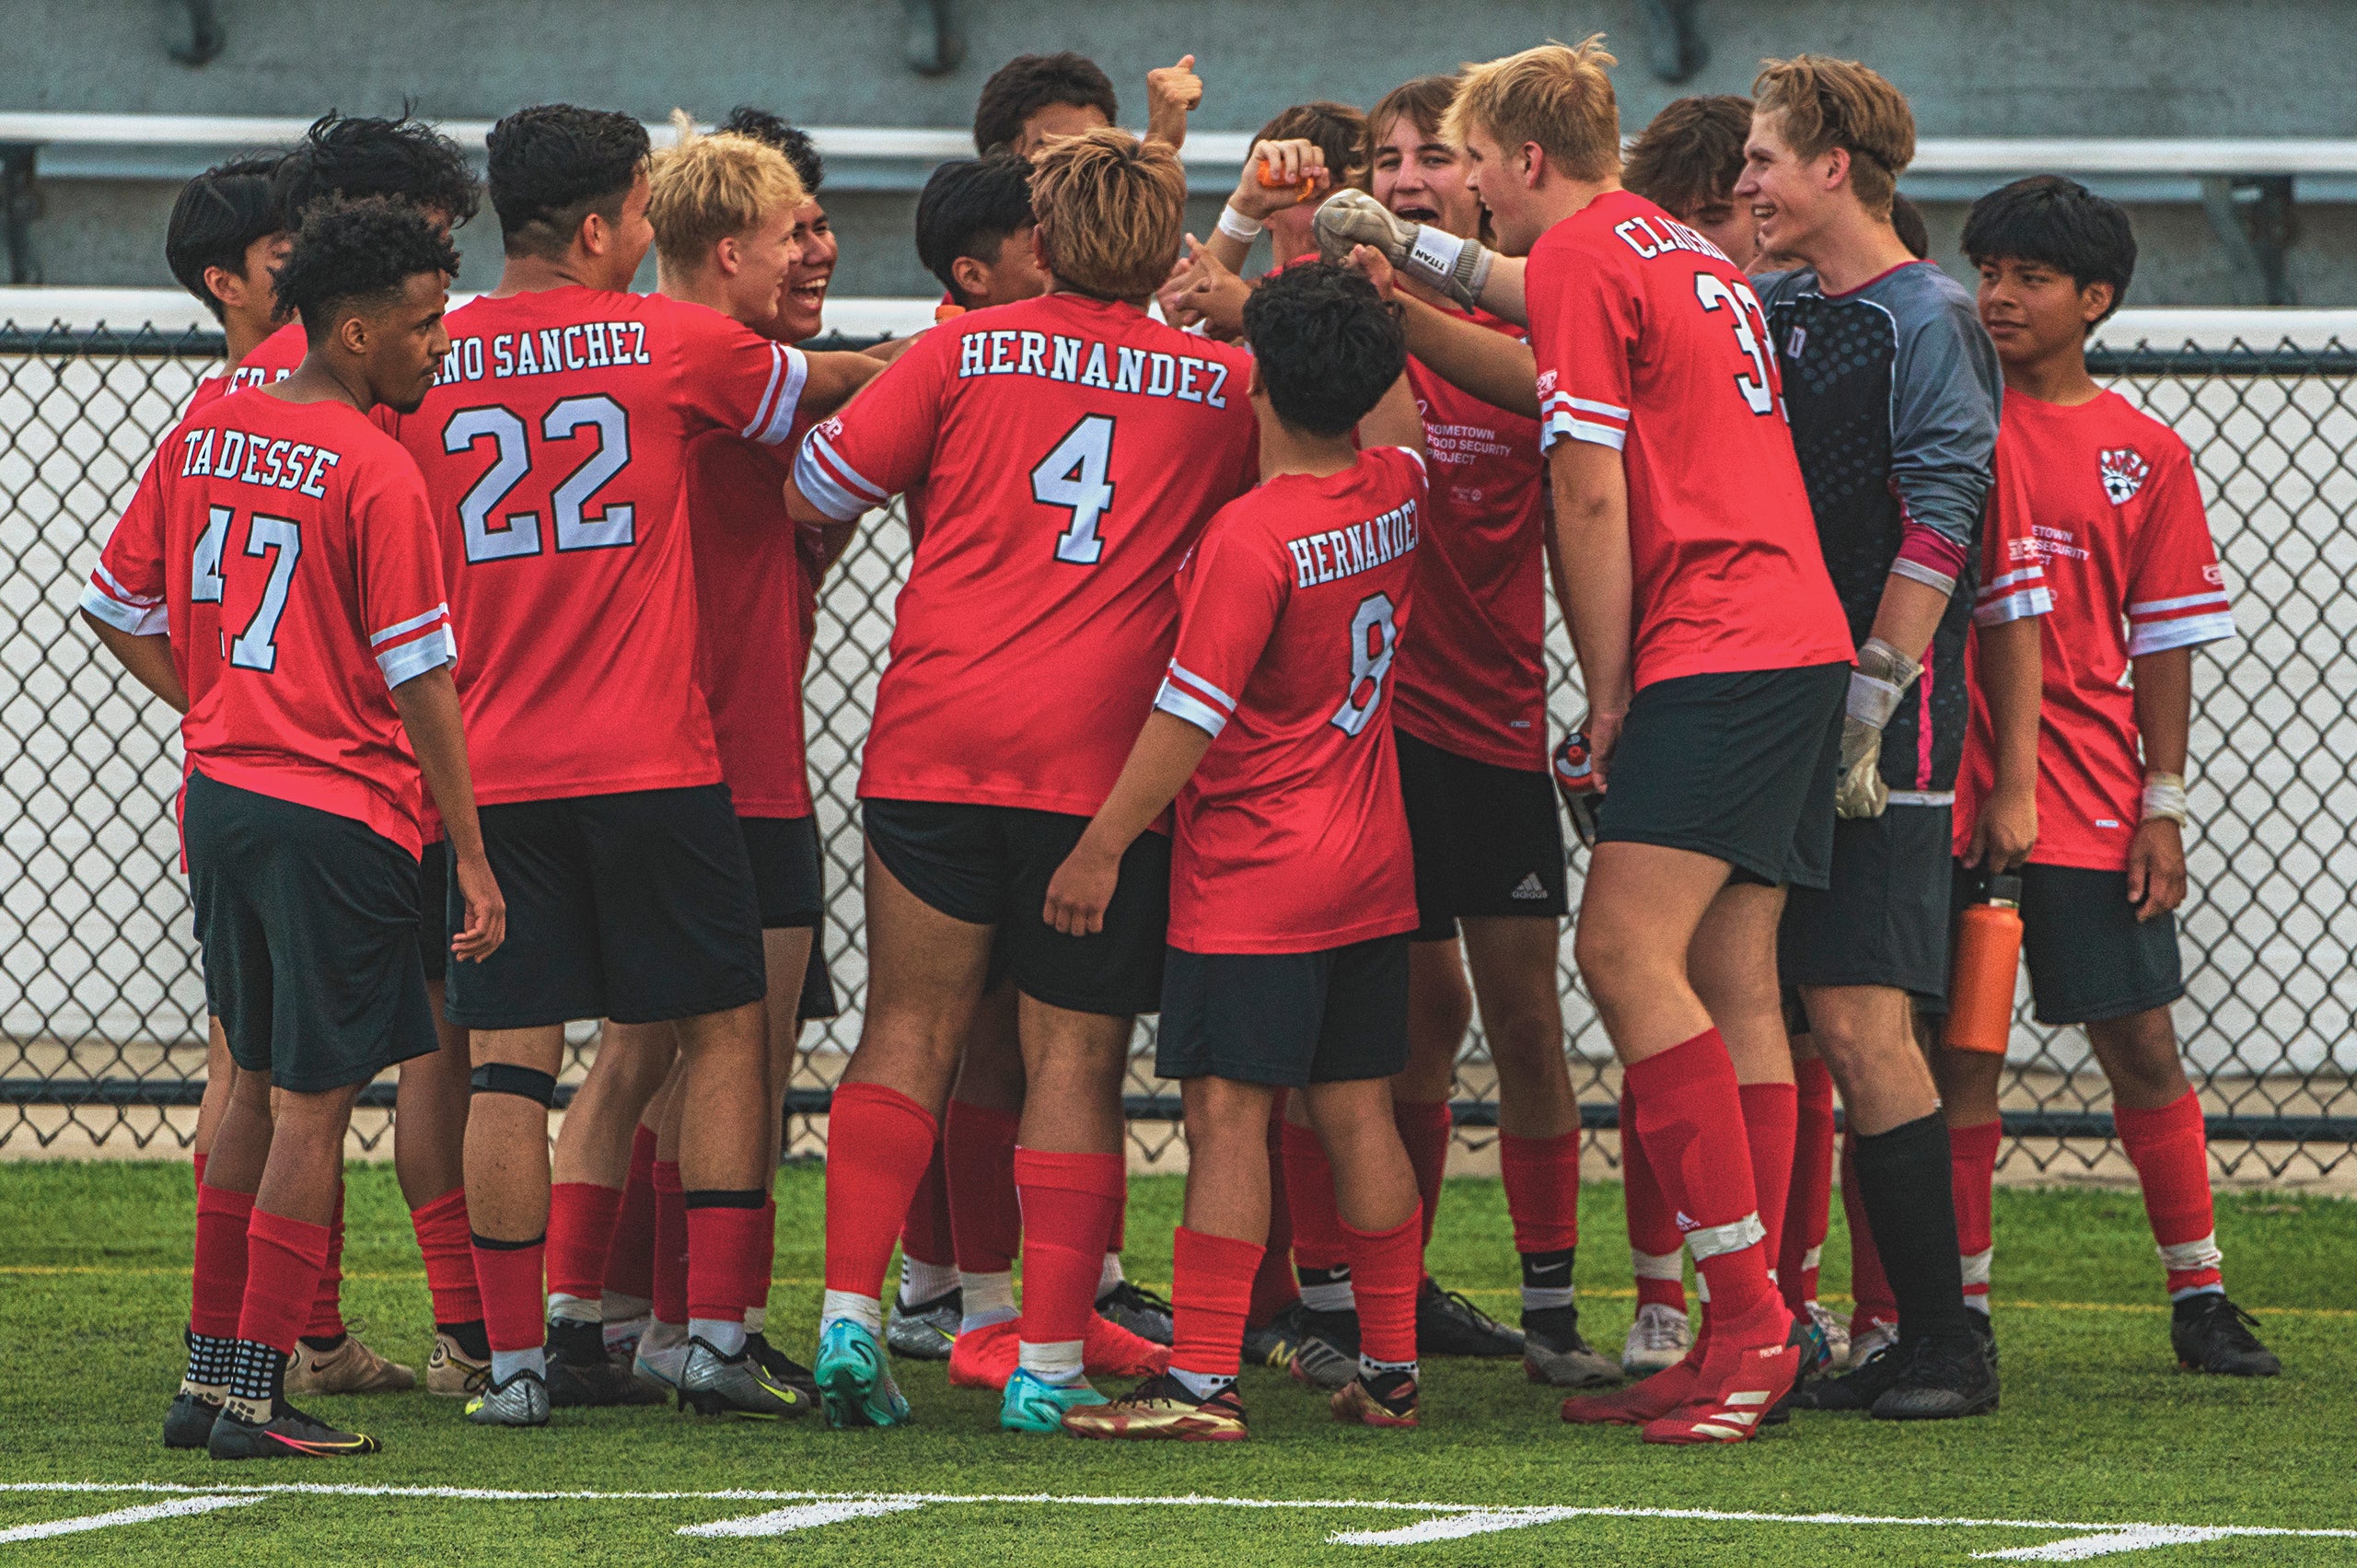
(102,1005)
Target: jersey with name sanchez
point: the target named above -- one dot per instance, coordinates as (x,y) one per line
(1291,836)
(1070,450)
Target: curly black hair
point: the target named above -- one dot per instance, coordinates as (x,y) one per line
(552,165)
(2060,222)
(793,141)
(1328,346)
(350,255)
(217,218)
(1027,84)
(353,155)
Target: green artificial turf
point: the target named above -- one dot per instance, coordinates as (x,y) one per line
(2098,1425)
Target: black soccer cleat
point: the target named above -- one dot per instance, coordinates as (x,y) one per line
(188,1423)
(1326,1349)
(1447,1324)
(783,1369)
(1274,1342)
(1856,1390)
(2210,1333)
(1554,1351)
(289,1433)
(1944,1376)
(1142,1312)
(582,1376)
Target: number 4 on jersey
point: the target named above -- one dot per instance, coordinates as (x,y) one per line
(1072,475)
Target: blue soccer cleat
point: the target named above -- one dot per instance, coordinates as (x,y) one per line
(855,1386)
(1032,1405)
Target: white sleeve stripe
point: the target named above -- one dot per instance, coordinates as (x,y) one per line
(439,612)
(849,476)
(1418,457)
(140,621)
(410,660)
(1560,424)
(2026,575)
(789,402)
(1587,405)
(1182,672)
(2160,636)
(2013,606)
(98,574)
(761,409)
(1180,705)
(2156,605)
(1930,577)
(821,489)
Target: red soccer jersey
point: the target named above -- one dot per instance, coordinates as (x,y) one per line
(555,447)
(1650,341)
(1070,450)
(1473,678)
(308,528)
(1291,835)
(2114,512)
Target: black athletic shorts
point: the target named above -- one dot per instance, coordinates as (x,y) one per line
(1488,841)
(1286,1019)
(2090,959)
(1884,920)
(637,907)
(434,910)
(1739,767)
(308,922)
(991,865)
(790,885)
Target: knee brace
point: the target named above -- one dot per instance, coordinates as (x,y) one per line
(505,1078)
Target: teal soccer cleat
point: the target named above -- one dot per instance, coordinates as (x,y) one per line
(1031,1405)
(855,1386)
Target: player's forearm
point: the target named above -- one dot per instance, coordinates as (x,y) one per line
(833,378)
(2008,667)
(149,661)
(1228,251)
(1502,290)
(1168,751)
(2165,707)
(1599,573)
(429,709)
(1908,614)
(1494,367)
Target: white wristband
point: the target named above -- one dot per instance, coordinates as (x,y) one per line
(2164,797)
(1239,225)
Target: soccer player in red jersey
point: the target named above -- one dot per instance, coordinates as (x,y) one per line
(2114,525)
(1714,657)
(225,236)
(310,526)
(553,448)
(1293,887)
(1034,99)
(1071,448)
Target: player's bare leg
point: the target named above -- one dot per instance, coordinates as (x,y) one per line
(1375,1189)
(218,1072)
(507,1210)
(785,956)
(1809,1202)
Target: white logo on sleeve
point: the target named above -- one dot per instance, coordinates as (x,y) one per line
(2124,473)
(1530,886)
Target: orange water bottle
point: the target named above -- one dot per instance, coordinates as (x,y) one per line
(945,311)
(1988,950)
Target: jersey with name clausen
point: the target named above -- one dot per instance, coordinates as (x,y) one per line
(1650,341)
(1070,450)
(307,527)
(554,446)
(1473,678)
(2114,518)
(1291,835)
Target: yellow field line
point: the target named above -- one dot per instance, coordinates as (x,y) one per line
(1607,1292)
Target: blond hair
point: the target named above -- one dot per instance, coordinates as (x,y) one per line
(704,189)
(1110,210)
(1556,95)
(1825,103)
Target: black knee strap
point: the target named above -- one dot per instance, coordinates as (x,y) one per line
(726,1198)
(505,1078)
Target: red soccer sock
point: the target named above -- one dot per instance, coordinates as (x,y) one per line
(1387,1271)
(2170,1150)
(284,1260)
(1273,1287)
(764,1263)
(1542,1181)
(1657,1249)
(1869,1288)
(926,1232)
(1069,1202)
(1972,1170)
(879,1144)
(1809,1199)
(723,1252)
(199,1158)
(629,1255)
(1770,1124)
(1320,1240)
(581,1229)
(1211,1296)
(508,1275)
(985,1219)
(667,1287)
(1689,1115)
(327,1303)
(441,1228)
(218,1276)
(1424,1129)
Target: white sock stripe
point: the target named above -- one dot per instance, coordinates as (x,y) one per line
(1976,1266)
(1718,1240)
(1658,1265)
(863,1310)
(1813,1258)
(2187,1256)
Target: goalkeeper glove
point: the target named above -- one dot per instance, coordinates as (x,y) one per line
(1433,257)
(1881,677)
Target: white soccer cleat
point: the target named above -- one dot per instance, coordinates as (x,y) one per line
(1657,1340)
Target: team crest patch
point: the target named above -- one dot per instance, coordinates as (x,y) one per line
(2124,473)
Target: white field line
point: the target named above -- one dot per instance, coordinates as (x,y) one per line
(1444,1521)
(145,1512)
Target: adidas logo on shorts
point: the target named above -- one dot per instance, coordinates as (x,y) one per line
(1530,886)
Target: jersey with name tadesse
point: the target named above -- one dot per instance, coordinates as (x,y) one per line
(1070,450)
(554,446)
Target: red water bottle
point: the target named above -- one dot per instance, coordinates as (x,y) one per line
(1988,951)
